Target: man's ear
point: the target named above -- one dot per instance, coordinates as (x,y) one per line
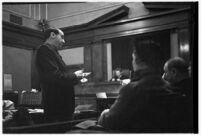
(52,34)
(174,71)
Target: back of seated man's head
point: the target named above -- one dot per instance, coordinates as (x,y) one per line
(175,70)
(147,54)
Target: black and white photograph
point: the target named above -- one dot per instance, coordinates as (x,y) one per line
(100,67)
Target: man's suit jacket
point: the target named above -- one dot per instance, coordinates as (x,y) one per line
(57,84)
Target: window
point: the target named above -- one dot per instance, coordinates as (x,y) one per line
(122,48)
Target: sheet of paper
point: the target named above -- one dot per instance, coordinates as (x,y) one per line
(101,95)
(84,107)
(86,124)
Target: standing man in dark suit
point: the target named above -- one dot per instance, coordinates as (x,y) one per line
(56,82)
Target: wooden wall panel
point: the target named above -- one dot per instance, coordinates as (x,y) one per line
(142,25)
(19,45)
(88,61)
(21,37)
(86,93)
(97,62)
(17,62)
(162,21)
(105,72)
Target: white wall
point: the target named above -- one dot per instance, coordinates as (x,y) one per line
(68,14)
(64,15)
(73,56)
(30,13)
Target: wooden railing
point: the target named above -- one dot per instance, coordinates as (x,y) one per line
(58,127)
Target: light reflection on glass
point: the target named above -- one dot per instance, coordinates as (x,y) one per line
(184,48)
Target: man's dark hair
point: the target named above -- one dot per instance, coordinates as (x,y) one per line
(180,64)
(48,31)
(149,52)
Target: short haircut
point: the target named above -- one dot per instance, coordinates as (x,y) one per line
(48,31)
(177,62)
(149,52)
(118,69)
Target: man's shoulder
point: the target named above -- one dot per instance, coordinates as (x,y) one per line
(44,49)
(135,84)
(144,86)
(41,47)
(130,88)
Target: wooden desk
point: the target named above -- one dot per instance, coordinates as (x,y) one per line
(86,93)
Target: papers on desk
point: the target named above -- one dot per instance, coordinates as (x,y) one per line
(36,110)
(86,74)
(86,124)
(85,107)
(125,81)
(101,95)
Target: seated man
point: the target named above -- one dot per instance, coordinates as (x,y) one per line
(146,105)
(121,75)
(116,75)
(176,73)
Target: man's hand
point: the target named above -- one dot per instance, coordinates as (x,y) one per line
(102,116)
(79,73)
(125,81)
